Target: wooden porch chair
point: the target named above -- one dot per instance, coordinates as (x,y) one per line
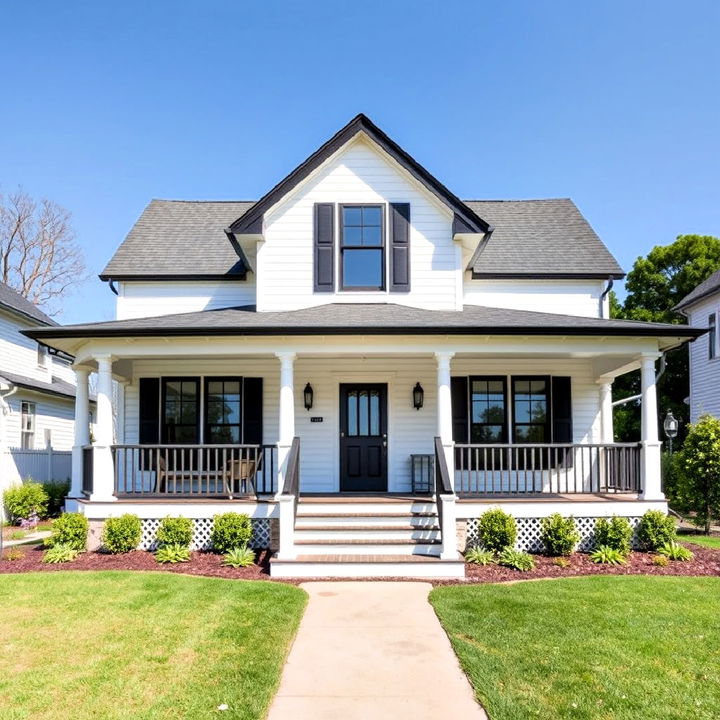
(239,475)
(161,475)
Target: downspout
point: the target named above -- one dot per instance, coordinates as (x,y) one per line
(606,292)
(660,373)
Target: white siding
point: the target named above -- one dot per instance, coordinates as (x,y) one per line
(704,373)
(359,173)
(409,430)
(566,297)
(54,414)
(148,299)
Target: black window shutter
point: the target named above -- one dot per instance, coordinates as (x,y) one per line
(149,411)
(253,411)
(399,247)
(459,401)
(324,247)
(562,410)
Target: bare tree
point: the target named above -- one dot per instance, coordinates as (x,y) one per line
(38,254)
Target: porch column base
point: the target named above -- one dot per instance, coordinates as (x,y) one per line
(103,475)
(286,507)
(651,471)
(448,534)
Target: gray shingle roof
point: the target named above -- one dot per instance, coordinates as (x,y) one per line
(56,387)
(178,237)
(531,237)
(705,288)
(354,318)
(539,237)
(14,301)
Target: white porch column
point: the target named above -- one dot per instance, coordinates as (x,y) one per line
(607,434)
(286,423)
(103,471)
(444,410)
(650,453)
(82,430)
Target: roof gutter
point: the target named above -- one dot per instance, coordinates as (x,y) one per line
(660,373)
(606,292)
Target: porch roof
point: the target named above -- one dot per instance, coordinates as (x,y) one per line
(367,319)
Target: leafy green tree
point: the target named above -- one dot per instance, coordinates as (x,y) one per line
(655,285)
(698,471)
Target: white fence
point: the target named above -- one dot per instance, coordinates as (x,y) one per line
(40,465)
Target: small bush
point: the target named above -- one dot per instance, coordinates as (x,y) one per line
(615,533)
(14,554)
(240,557)
(172,553)
(608,556)
(655,530)
(18,535)
(60,553)
(231,531)
(69,529)
(175,531)
(497,530)
(675,551)
(516,559)
(660,561)
(480,556)
(561,562)
(559,535)
(22,501)
(122,534)
(56,491)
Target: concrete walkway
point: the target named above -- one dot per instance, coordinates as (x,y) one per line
(372,650)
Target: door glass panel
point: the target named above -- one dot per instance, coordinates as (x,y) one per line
(352,412)
(374,412)
(363,413)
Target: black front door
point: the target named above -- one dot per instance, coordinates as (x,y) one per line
(363,438)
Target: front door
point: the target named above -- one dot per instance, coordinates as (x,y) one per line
(363,438)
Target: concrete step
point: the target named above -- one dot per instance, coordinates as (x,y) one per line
(364,507)
(341,546)
(368,566)
(366,521)
(367,533)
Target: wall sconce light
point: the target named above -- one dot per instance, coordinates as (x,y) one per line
(418,396)
(308,396)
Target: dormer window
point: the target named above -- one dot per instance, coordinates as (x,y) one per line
(362,247)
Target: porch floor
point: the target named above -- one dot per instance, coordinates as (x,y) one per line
(550,497)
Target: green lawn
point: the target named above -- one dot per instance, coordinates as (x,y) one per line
(141,645)
(589,648)
(711,541)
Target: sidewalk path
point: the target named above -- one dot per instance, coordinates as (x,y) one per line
(372,650)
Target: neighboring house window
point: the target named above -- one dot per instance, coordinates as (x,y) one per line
(27,425)
(362,247)
(531,416)
(488,411)
(42,356)
(712,335)
(181,411)
(223,414)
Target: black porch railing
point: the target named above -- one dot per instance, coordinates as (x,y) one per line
(87,470)
(222,471)
(571,468)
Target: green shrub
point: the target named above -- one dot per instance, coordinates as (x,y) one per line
(18,535)
(615,533)
(21,501)
(497,530)
(14,554)
(56,491)
(675,551)
(231,531)
(172,553)
(69,529)
(516,559)
(559,535)
(561,562)
(655,530)
(175,531)
(480,556)
(122,534)
(608,556)
(240,557)
(661,561)
(60,553)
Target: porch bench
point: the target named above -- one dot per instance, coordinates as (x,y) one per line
(236,477)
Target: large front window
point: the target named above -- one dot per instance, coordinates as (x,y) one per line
(531,416)
(223,411)
(488,412)
(362,251)
(181,410)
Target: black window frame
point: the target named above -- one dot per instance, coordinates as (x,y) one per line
(382,248)
(488,378)
(712,336)
(548,409)
(207,379)
(198,407)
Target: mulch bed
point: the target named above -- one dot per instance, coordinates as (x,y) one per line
(705,563)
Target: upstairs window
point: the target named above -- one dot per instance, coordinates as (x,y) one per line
(362,247)
(27,425)
(712,336)
(42,356)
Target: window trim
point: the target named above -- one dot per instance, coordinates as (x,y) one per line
(32,414)
(548,408)
(382,247)
(207,379)
(164,380)
(507,420)
(712,336)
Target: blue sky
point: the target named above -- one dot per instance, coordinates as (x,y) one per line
(615,104)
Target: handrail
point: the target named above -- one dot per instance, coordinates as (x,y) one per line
(291,486)
(442,474)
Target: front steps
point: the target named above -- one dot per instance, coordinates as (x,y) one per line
(357,536)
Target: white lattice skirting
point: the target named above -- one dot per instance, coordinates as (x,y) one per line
(529,533)
(202,529)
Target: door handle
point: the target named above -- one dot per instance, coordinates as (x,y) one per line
(342,434)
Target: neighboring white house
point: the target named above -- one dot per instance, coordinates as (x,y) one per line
(363,362)
(37,397)
(702,309)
